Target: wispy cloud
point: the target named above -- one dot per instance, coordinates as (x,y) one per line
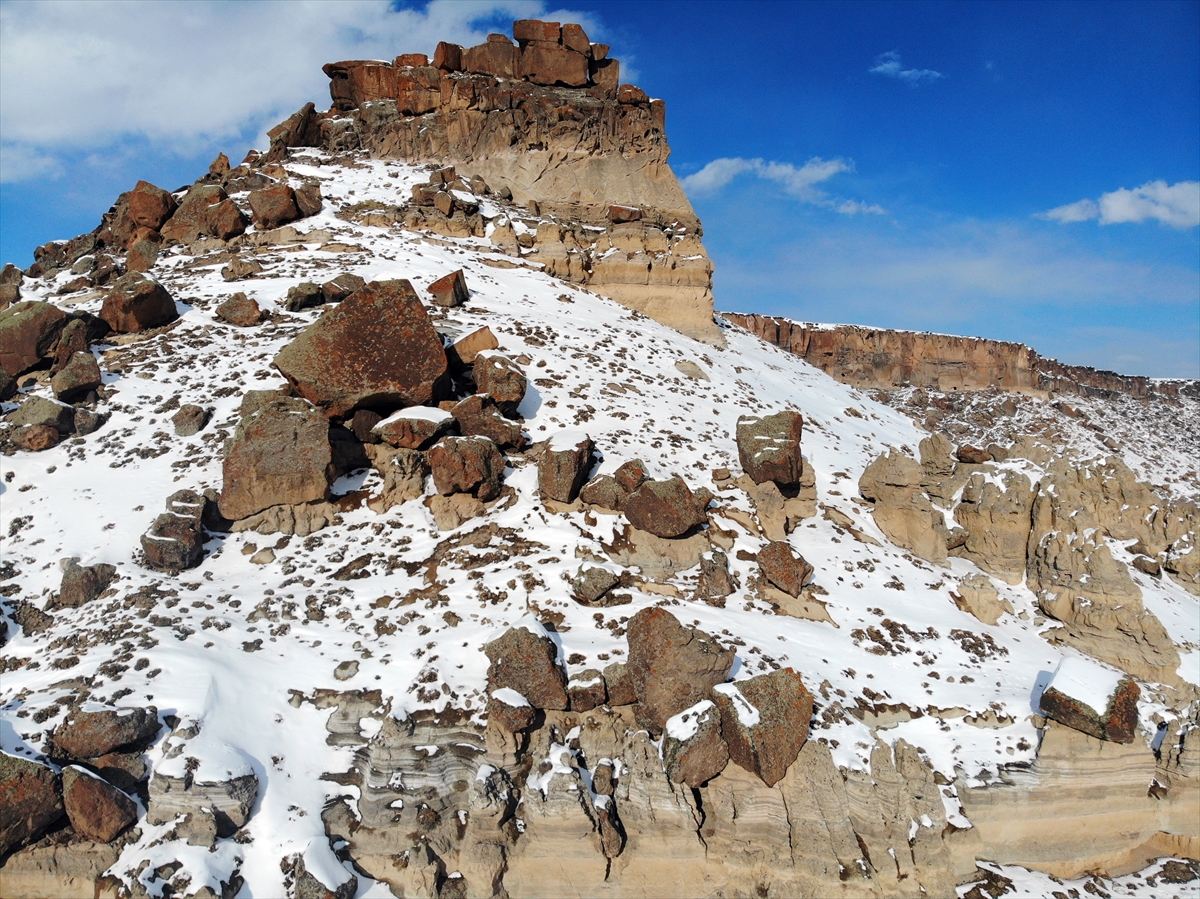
(184,76)
(19,163)
(798,181)
(1177,205)
(889,65)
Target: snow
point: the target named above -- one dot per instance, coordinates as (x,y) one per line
(1086,682)
(602,371)
(415,413)
(567,440)
(747,714)
(510,697)
(686,724)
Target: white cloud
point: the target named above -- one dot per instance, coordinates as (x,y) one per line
(18,163)
(889,64)
(797,181)
(1177,205)
(184,75)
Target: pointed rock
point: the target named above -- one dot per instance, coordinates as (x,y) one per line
(764,721)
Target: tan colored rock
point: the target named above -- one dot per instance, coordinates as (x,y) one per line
(901,509)
(997,523)
(978,596)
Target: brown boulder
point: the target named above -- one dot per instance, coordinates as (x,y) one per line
(605,492)
(39,410)
(536,30)
(525,659)
(575,38)
(497,58)
(81,584)
(784,568)
(137,303)
(672,667)
(240,310)
(466,349)
(175,540)
(89,735)
(304,295)
(564,466)
(142,255)
(590,585)
(467,465)
(693,751)
(769,447)
(1078,686)
(193,218)
(764,721)
(225,220)
(219,166)
(715,581)
(550,64)
(510,710)
(585,691)
(417,427)
(477,416)
(665,508)
(972,455)
(30,801)
(189,420)
(450,290)
(36,438)
(620,214)
(308,199)
(342,286)
(280,455)
(77,378)
(448,57)
(377,348)
(631,474)
(98,810)
(149,206)
(29,332)
(501,379)
(619,683)
(273,206)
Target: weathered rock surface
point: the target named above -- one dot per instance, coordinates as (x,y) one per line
(280,455)
(81,584)
(467,465)
(693,750)
(450,290)
(1093,700)
(273,206)
(76,379)
(901,509)
(29,332)
(137,303)
(591,583)
(501,379)
(665,508)
(98,810)
(764,721)
(377,349)
(91,734)
(175,541)
(769,447)
(525,659)
(784,568)
(240,310)
(30,801)
(417,427)
(672,667)
(189,420)
(977,595)
(477,416)
(39,410)
(205,211)
(564,466)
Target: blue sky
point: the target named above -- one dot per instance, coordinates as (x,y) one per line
(1021,171)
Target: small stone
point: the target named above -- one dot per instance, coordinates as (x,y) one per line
(345,670)
(189,420)
(239,269)
(693,751)
(263,557)
(240,310)
(80,584)
(591,583)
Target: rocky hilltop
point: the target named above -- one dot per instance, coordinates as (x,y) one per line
(389,515)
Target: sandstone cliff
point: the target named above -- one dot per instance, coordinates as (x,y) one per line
(886,359)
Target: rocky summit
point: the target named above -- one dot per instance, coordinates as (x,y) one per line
(390,514)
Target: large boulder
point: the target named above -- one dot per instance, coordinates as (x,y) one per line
(665,508)
(769,447)
(764,721)
(175,541)
(273,206)
(784,568)
(30,801)
(672,667)
(79,377)
(501,379)
(280,455)
(417,427)
(377,349)
(477,415)
(450,290)
(901,508)
(98,810)
(89,734)
(564,466)
(149,206)
(525,659)
(40,410)
(1093,699)
(137,303)
(205,211)
(81,584)
(693,751)
(467,465)
(240,310)
(29,332)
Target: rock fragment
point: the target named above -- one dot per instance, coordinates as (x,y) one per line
(769,447)
(417,427)
(693,751)
(98,810)
(189,420)
(30,801)
(665,508)
(91,734)
(501,379)
(467,465)
(564,466)
(1093,699)
(784,568)
(764,721)
(240,310)
(81,584)
(137,303)
(450,290)
(525,659)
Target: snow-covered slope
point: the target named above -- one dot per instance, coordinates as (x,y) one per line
(239,642)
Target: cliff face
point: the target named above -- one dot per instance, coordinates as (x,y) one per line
(874,357)
(545,123)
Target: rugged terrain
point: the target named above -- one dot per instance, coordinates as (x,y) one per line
(389,514)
